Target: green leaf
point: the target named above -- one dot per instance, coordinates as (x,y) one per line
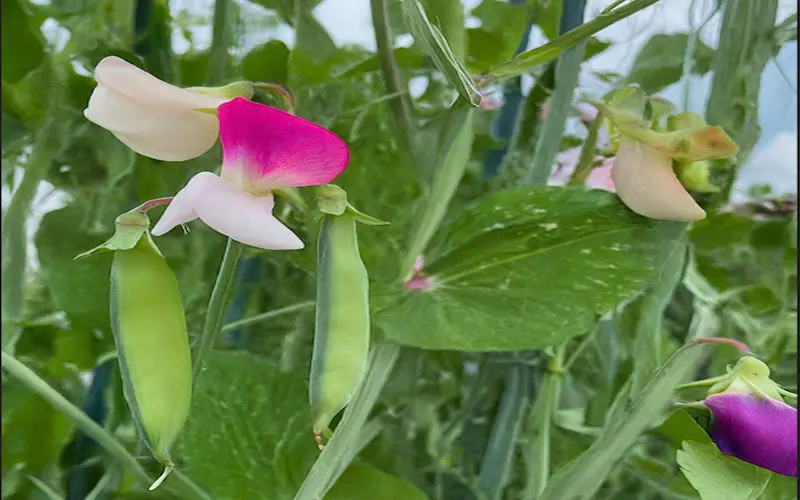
(720,477)
(22,44)
(33,434)
(584,475)
(79,288)
(502,25)
(529,268)
(547,15)
(433,43)
(680,427)
(13,132)
(249,431)
(659,63)
(361,482)
(268,62)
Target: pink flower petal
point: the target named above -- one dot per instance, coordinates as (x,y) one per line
(225,208)
(265,148)
(600,177)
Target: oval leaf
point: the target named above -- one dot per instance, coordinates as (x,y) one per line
(529,268)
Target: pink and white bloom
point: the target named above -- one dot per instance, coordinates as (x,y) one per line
(150,116)
(263,149)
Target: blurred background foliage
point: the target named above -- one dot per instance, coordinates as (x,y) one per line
(452,424)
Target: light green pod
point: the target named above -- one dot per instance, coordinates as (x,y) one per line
(149,326)
(341,338)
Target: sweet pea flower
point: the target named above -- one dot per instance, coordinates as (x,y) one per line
(750,420)
(643,173)
(150,116)
(263,149)
(758,430)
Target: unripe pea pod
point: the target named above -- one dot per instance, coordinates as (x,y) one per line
(342,323)
(149,326)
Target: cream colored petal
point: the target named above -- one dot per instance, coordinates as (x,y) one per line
(160,132)
(646,183)
(142,87)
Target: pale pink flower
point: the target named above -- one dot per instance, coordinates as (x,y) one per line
(150,116)
(600,177)
(263,149)
(491,102)
(646,183)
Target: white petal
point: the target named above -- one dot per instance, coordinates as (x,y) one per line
(646,183)
(181,209)
(152,117)
(138,85)
(225,208)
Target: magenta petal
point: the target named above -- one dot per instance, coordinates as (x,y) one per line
(265,148)
(760,431)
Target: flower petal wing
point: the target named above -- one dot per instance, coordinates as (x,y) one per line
(138,85)
(152,117)
(646,183)
(265,148)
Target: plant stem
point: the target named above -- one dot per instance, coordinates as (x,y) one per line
(37,385)
(220,37)
(334,458)
(399,106)
(216,304)
(526,61)
(541,419)
(301,306)
(586,161)
(568,69)
(14,240)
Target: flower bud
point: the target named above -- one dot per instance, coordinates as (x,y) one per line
(695,176)
(750,420)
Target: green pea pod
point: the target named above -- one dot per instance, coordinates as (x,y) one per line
(149,326)
(341,338)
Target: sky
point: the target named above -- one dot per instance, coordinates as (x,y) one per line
(774,161)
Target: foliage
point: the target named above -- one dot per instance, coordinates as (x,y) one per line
(539,363)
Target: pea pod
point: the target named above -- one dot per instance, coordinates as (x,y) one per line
(149,326)
(342,329)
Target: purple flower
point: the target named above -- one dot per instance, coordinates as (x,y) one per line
(758,430)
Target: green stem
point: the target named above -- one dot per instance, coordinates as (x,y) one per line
(399,106)
(216,304)
(220,38)
(14,239)
(568,69)
(301,306)
(586,161)
(37,385)
(334,458)
(542,418)
(526,61)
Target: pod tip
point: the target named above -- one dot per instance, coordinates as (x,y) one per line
(161,478)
